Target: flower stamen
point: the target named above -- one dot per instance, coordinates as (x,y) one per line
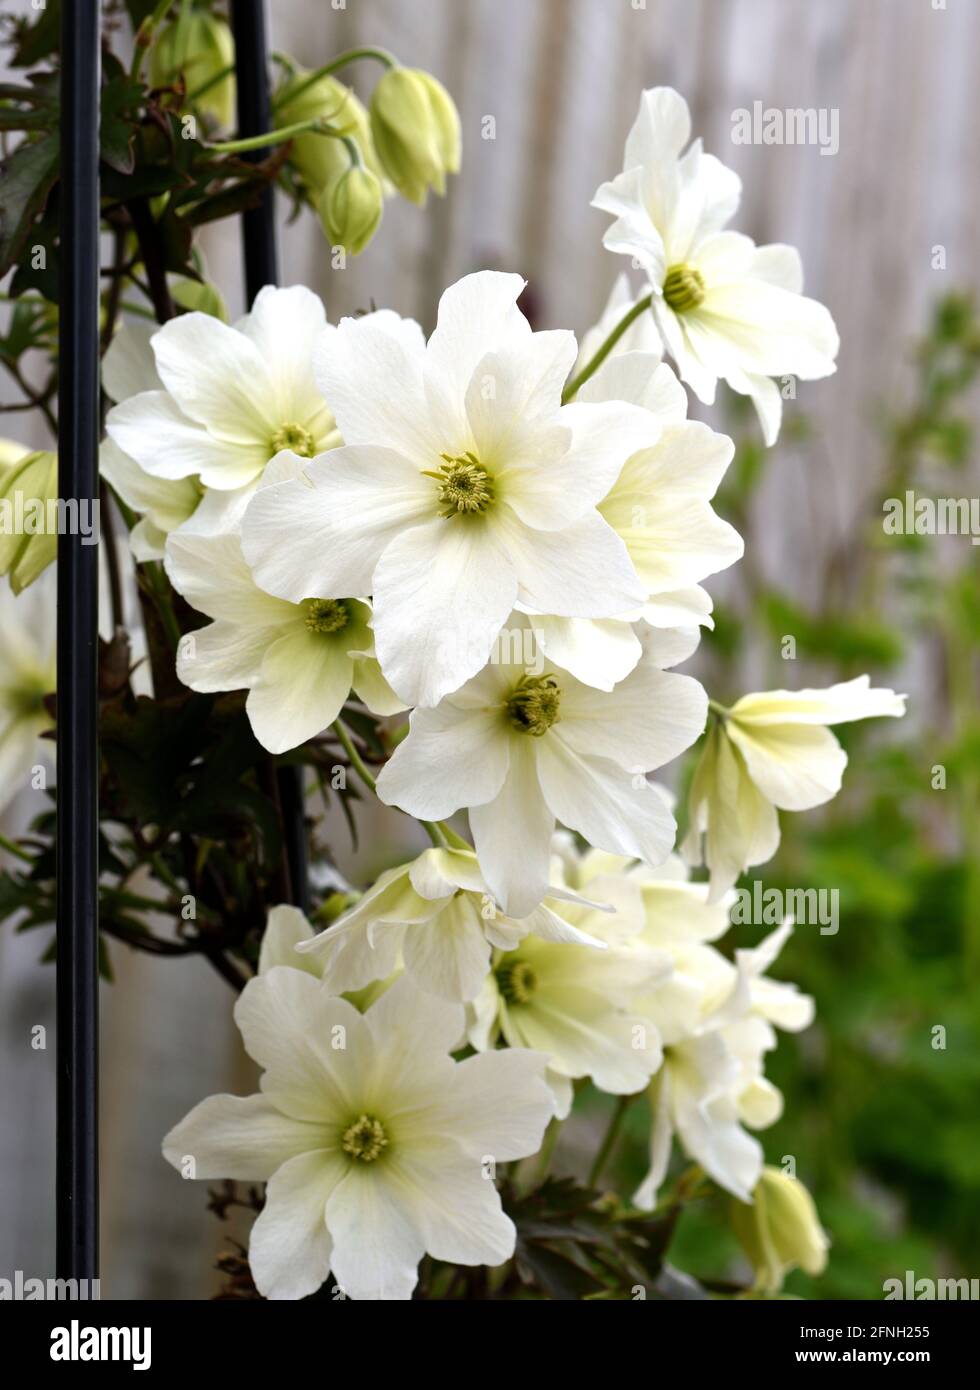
(326,615)
(516,981)
(365,1139)
(465,486)
(534,704)
(684,288)
(294,437)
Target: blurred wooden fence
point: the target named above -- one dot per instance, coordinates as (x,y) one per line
(562,79)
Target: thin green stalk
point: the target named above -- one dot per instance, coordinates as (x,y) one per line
(433,831)
(144,36)
(315,125)
(381,55)
(598,357)
(546,1151)
(12,847)
(718,709)
(611,1137)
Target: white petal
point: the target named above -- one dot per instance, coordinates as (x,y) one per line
(377,1238)
(324,539)
(477,315)
(211,573)
(795,766)
(372,379)
(613,809)
(218,377)
(512,834)
(285,927)
(289,1248)
(300,689)
(222,656)
(449,955)
(583,571)
(650,718)
(451,758)
(129,366)
(499,1104)
(598,652)
(239,1137)
(641,379)
(152,429)
(442,593)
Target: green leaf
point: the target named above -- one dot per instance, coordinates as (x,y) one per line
(28,176)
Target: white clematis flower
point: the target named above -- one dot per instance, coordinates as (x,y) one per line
(464,488)
(660,504)
(725,307)
(298,661)
(437,915)
(524,744)
(372,1140)
(27,675)
(232,397)
(771,750)
(716,1021)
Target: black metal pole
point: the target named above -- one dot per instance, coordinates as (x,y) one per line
(262,268)
(78,628)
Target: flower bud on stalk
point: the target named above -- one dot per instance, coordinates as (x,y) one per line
(322,161)
(780,1230)
(416,132)
(350,209)
(27,543)
(198,45)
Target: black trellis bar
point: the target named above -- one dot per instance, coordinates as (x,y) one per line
(78,626)
(262,268)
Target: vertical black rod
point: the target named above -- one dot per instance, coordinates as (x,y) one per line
(262,268)
(78,626)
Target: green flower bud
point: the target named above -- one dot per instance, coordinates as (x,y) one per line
(197,45)
(416,132)
(320,159)
(780,1230)
(28,525)
(350,209)
(200,295)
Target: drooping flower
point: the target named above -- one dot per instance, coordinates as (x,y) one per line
(780,1230)
(376,1146)
(29,518)
(463,488)
(771,750)
(725,307)
(27,675)
(660,503)
(524,744)
(415,129)
(233,396)
(438,916)
(298,661)
(716,1021)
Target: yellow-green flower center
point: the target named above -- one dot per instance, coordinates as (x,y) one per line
(326,614)
(294,437)
(684,288)
(465,486)
(516,981)
(365,1139)
(534,704)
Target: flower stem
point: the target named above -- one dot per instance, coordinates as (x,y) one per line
(433,831)
(547,1150)
(12,847)
(145,34)
(381,55)
(609,1141)
(315,124)
(718,709)
(600,355)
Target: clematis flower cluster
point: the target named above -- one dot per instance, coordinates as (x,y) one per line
(505,538)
